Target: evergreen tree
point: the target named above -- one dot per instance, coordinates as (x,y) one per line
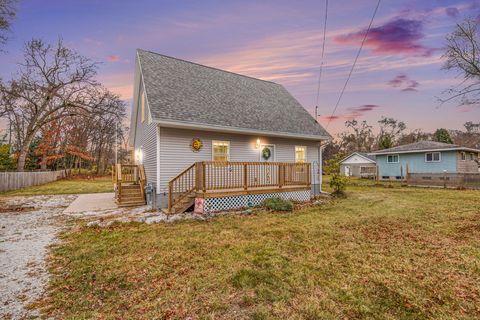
(6,160)
(385,142)
(442,135)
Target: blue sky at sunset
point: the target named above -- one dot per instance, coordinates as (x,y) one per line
(398,73)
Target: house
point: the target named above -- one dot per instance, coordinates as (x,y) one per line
(358,164)
(220,140)
(425,157)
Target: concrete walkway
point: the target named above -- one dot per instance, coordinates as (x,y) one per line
(92,202)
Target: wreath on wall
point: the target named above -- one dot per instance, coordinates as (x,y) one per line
(266,153)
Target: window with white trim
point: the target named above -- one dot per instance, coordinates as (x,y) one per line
(433,157)
(464,156)
(392,158)
(220,150)
(300,154)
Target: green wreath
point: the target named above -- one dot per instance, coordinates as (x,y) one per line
(266,153)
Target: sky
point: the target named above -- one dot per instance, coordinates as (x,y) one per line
(398,74)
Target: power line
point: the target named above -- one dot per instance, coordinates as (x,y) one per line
(354,63)
(321,63)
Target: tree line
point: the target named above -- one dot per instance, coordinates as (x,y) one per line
(360,136)
(58,115)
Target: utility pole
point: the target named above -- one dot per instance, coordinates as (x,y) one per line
(116,142)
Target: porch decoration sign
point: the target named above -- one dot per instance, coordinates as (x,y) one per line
(266,153)
(196,145)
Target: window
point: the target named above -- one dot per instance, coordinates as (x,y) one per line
(464,156)
(432,157)
(300,154)
(392,158)
(143,106)
(220,150)
(472,156)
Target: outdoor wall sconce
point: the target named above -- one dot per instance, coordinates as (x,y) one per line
(258,144)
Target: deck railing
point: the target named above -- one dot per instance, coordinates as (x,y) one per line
(216,176)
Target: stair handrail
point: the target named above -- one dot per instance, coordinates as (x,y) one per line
(142,179)
(188,180)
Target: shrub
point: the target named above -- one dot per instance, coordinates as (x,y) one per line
(338,183)
(278,204)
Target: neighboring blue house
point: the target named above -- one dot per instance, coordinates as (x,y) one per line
(426,157)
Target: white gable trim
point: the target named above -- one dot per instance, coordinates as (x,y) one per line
(357,154)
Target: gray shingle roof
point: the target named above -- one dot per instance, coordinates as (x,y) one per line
(368,156)
(421,146)
(183,91)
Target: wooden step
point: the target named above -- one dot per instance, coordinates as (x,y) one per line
(131,204)
(131,198)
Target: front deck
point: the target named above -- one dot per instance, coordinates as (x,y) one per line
(213,179)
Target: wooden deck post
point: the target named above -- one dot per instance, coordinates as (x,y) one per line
(204,178)
(245,176)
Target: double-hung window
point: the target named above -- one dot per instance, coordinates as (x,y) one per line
(220,150)
(392,158)
(432,157)
(300,154)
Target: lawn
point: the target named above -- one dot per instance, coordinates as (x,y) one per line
(70,186)
(385,252)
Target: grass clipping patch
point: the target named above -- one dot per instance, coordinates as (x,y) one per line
(277,204)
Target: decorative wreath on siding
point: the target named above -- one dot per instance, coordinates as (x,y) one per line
(266,153)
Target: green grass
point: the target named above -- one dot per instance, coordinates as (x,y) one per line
(73,186)
(380,253)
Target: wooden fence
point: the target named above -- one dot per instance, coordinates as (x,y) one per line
(445,180)
(17,180)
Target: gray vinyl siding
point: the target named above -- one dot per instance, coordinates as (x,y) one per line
(146,139)
(176,154)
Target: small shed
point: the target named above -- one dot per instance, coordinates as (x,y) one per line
(358,164)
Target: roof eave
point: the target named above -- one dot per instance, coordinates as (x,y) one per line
(425,150)
(210,127)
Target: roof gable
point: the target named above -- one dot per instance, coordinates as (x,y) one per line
(185,92)
(368,158)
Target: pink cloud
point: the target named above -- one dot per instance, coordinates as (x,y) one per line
(352,113)
(452,12)
(396,36)
(404,82)
(113,58)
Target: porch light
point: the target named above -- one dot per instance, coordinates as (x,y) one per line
(258,144)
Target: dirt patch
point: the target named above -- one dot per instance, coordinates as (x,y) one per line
(16,209)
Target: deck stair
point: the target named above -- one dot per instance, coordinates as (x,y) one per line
(129,182)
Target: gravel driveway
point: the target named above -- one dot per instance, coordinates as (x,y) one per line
(28,225)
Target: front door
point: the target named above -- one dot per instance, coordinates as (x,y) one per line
(347,171)
(267,153)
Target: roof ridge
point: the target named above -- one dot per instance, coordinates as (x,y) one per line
(202,65)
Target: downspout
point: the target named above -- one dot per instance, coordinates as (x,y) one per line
(320,166)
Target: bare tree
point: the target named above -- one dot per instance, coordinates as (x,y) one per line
(463,55)
(360,140)
(390,131)
(7,13)
(53,82)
